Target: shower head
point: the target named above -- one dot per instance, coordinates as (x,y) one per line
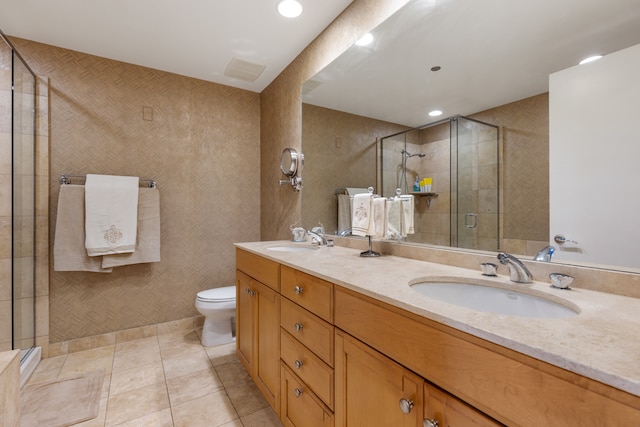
(407,154)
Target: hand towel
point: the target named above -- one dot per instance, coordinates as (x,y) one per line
(148,240)
(361,215)
(69,253)
(344,213)
(407,214)
(111,214)
(379,218)
(394,218)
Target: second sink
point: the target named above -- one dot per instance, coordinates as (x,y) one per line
(494,300)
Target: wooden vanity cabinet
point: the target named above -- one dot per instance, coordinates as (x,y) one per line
(324,355)
(258,322)
(512,388)
(307,350)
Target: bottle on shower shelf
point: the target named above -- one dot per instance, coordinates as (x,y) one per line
(416,185)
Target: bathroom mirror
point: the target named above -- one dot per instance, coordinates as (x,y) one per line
(462,57)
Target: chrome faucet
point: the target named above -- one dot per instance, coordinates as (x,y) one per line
(518,272)
(317,238)
(545,254)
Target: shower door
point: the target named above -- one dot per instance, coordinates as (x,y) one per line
(23,205)
(474,184)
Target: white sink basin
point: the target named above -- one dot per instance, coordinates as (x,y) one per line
(494,300)
(292,248)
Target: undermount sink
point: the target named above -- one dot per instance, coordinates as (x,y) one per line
(291,248)
(494,300)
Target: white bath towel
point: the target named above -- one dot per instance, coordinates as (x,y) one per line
(362,215)
(111,214)
(69,253)
(379,217)
(394,218)
(408,203)
(148,241)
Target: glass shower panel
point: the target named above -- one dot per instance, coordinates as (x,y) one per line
(474,180)
(23,205)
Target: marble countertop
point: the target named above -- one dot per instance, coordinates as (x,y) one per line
(602,342)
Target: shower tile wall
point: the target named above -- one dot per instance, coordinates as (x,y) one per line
(201,145)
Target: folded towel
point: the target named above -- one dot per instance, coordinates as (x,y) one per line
(407,214)
(379,218)
(344,213)
(394,219)
(69,253)
(148,240)
(111,214)
(361,215)
(352,191)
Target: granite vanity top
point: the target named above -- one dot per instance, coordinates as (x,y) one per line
(602,342)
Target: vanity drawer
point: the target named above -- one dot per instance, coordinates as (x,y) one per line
(299,406)
(316,295)
(309,329)
(309,367)
(261,269)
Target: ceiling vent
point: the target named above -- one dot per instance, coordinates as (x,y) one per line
(244,70)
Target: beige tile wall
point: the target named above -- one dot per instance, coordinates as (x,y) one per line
(202,147)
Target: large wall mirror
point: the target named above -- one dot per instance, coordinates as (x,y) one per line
(489,60)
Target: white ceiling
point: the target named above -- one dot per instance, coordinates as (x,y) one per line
(492,52)
(195,38)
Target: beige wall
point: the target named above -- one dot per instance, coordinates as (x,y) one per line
(201,146)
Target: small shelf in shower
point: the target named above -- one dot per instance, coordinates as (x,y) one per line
(429,196)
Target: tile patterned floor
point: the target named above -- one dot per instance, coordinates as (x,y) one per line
(167,381)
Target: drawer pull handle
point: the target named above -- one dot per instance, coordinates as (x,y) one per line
(297,327)
(298,364)
(406,405)
(297,392)
(297,289)
(250,292)
(430,423)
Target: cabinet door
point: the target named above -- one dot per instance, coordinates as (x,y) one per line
(244,319)
(449,411)
(371,387)
(266,358)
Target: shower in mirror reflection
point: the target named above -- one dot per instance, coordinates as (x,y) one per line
(403,184)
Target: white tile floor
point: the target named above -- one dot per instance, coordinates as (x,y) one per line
(167,380)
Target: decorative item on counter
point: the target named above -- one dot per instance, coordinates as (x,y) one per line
(299,233)
(489,269)
(560,281)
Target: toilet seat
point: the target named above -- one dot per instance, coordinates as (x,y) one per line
(223,294)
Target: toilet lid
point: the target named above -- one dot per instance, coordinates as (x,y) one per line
(226,293)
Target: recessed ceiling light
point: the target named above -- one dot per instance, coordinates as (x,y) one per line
(590,59)
(435,113)
(365,40)
(289,8)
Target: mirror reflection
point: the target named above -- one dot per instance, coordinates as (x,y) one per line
(489,61)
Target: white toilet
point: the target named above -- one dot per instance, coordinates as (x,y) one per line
(218,306)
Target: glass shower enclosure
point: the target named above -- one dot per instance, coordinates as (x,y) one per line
(459,157)
(18,95)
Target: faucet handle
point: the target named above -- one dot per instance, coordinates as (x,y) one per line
(489,269)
